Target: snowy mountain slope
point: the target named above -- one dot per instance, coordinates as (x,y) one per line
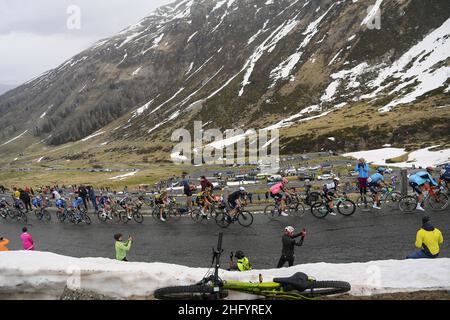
(281,62)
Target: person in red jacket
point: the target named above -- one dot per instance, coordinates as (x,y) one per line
(205,183)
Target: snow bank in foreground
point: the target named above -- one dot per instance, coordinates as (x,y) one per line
(419,158)
(44,275)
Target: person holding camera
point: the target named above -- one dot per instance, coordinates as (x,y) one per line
(122,248)
(242,264)
(289,243)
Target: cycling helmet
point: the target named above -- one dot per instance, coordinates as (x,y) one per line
(430,169)
(241,189)
(289,229)
(381,169)
(285,181)
(3,199)
(239,254)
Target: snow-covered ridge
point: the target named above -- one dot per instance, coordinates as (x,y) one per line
(42,275)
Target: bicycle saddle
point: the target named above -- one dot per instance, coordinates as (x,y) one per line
(298,281)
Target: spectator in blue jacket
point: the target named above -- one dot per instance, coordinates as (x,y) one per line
(363,173)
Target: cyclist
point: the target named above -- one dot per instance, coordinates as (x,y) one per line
(76,205)
(242,264)
(204,200)
(161,200)
(329,192)
(237,199)
(376,181)
(428,240)
(418,181)
(445,175)
(127,205)
(60,205)
(278,192)
(289,243)
(4,204)
(105,203)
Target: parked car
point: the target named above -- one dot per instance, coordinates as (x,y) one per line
(326,176)
(305,177)
(275,178)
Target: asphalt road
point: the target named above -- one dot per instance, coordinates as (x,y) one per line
(365,236)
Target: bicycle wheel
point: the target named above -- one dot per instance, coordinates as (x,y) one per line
(319,210)
(245,218)
(223,220)
(102,216)
(3,214)
(198,217)
(87,219)
(195,292)
(22,216)
(38,214)
(439,202)
(12,213)
(365,202)
(407,204)
(138,217)
(392,200)
(328,287)
(117,216)
(271,211)
(346,207)
(47,215)
(174,213)
(60,216)
(297,208)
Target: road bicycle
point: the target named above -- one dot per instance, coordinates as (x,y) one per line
(42,213)
(170,211)
(297,287)
(435,199)
(14,214)
(215,208)
(389,198)
(243,217)
(344,206)
(294,206)
(71,215)
(136,215)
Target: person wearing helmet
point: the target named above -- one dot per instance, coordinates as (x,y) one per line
(376,182)
(445,175)
(329,191)
(4,204)
(242,263)
(278,192)
(237,199)
(288,245)
(418,181)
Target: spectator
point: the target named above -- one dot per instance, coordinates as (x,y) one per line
(25,197)
(82,192)
(187,190)
(122,248)
(428,240)
(92,197)
(363,174)
(205,183)
(3,244)
(27,240)
(289,244)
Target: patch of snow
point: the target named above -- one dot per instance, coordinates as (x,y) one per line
(136,72)
(15,138)
(352,37)
(93,136)
(192,36)
(419,158)
(124,176)
(45,113)
(335,57)
(371,15)
(190,68)
(167,101)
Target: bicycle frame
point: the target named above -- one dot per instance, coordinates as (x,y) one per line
(266,289)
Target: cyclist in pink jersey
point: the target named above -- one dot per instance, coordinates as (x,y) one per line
(278,191)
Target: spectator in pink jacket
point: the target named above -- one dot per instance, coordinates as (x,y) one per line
(27,240)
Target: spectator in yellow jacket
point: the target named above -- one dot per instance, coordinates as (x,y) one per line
(428,240)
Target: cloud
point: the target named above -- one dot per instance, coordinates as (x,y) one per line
(38,39)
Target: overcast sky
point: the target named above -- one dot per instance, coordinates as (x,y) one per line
(35,37)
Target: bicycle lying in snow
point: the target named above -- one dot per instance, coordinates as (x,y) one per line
(211,287)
